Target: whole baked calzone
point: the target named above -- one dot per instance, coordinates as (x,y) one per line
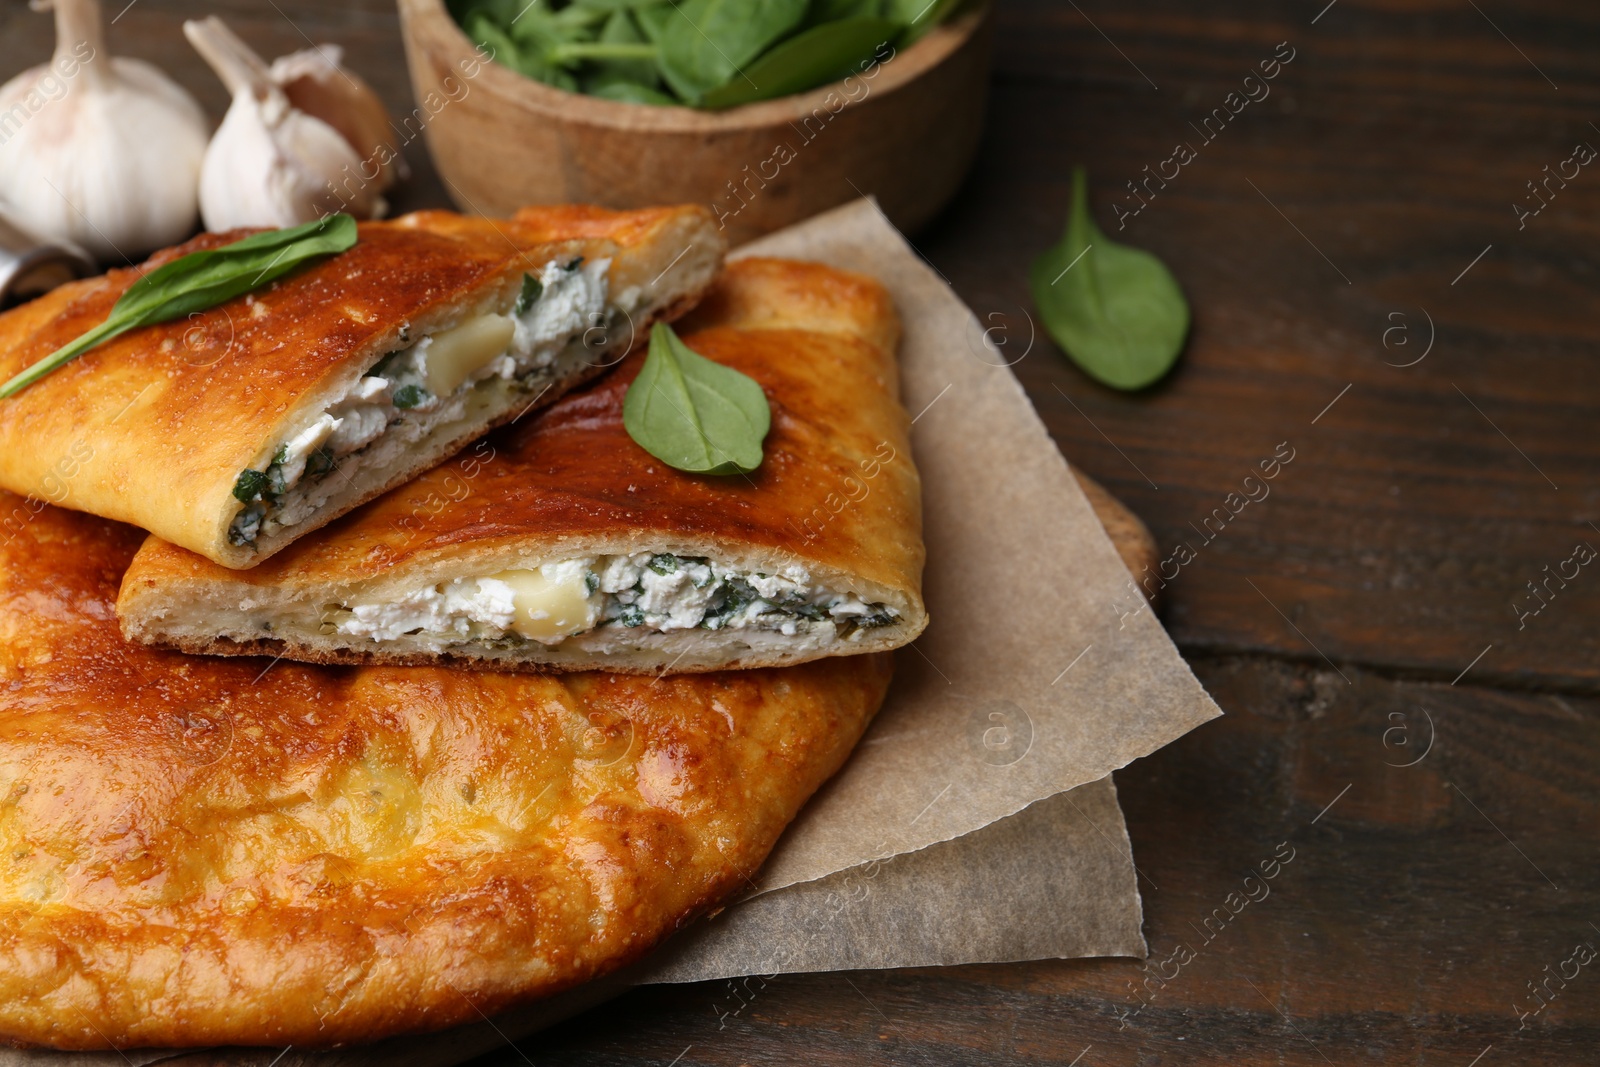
(562,544)
(240,428)
(232,851)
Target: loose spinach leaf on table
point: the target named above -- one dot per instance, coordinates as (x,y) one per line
(814,57)
(708,42)
(199,281)
(1116,311)
(693,413)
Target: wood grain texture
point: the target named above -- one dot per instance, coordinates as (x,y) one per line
(1395,142)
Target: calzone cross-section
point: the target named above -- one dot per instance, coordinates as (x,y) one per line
(243,427)
(562,544)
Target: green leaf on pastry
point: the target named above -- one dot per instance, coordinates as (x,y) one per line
(695,414)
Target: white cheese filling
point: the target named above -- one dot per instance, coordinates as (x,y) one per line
(645,592)
(418,388)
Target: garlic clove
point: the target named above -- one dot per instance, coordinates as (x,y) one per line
(271,164)
(101,152)
(316,81)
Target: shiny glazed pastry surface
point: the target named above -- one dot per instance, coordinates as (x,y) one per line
(220,851)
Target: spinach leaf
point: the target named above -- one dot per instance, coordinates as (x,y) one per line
(653,20)
(249,485)
(539,36)
(708,42)
(631,93)
(1116,311)
(501,11)
(830,10)
(532,290)
(694,414)
(815,57)
(409,396)
(199,281)
(919,16)
(612,62)
(617,5)
(485,32)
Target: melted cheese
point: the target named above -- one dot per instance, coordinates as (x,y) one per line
(454,355)
(552,602)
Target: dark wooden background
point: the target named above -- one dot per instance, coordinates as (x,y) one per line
(1336,620)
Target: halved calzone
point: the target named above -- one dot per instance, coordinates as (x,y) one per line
(562,544)
(239,429)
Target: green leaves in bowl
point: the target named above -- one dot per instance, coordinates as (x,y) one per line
(199,281)
(701,53)
(709,42)
(695,414)
(1116,311)
(818,56)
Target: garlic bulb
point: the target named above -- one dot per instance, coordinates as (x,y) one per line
(271,164)
(316,81)
(101,152)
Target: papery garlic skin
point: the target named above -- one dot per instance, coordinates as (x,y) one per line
(316,81)
(103,152)
(270,164)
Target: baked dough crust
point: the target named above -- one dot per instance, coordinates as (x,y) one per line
(153,427)
(215,851)
(837,494)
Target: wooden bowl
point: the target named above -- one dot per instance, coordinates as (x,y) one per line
(906,131)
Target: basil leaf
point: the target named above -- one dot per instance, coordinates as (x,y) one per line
(708,41)
(199,281)
(815,57)
(1116,311)
(694,414)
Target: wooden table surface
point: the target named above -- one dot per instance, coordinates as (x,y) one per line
(1398,716)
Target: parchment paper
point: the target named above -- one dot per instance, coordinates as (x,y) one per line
(1034,676)
(1053,881)
(1035,680)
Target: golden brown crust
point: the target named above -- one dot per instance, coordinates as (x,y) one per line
(837,491)
(153,427)
(208,851)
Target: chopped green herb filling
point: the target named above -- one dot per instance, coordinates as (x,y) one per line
(532,290)
(250,485)
(319,462)
(410,396)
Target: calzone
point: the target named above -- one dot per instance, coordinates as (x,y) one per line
(563,544)
(241,428)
